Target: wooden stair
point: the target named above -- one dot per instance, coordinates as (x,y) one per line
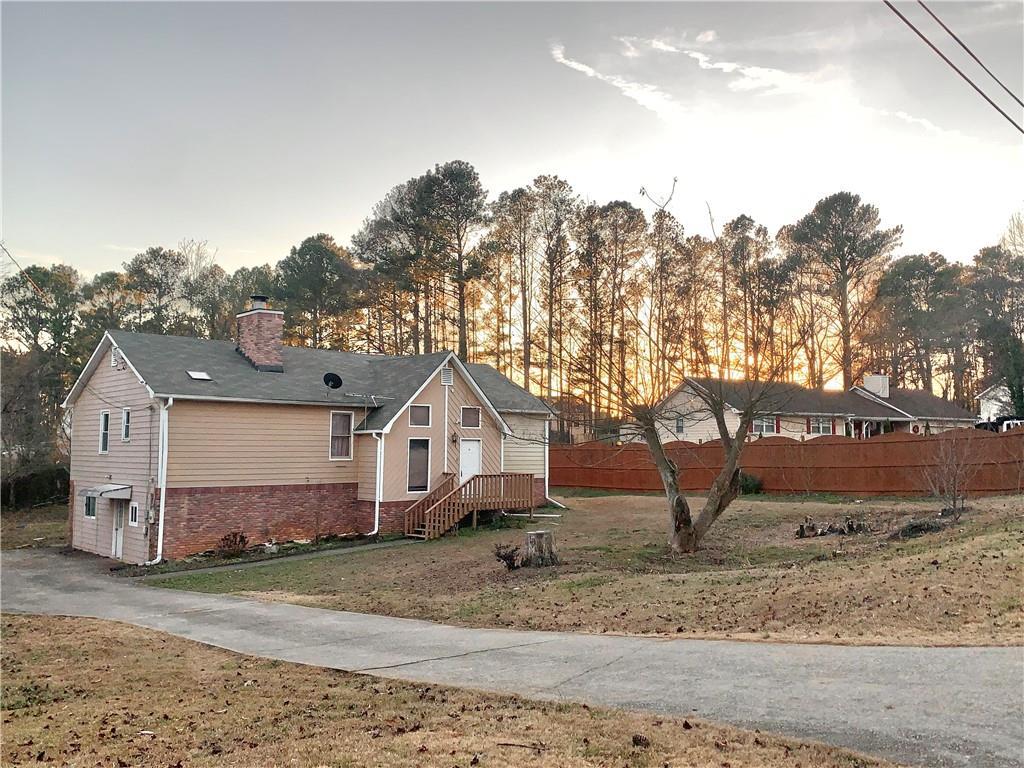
(448,504)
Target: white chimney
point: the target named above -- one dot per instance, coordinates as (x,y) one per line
(877,384)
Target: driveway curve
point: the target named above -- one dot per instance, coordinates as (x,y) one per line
(927,706)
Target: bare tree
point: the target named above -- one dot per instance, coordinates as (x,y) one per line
(953,467)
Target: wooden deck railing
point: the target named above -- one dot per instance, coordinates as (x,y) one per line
(481,492)
(414,514)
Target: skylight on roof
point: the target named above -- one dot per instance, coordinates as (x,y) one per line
(199,375)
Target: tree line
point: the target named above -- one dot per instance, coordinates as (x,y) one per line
(566,296)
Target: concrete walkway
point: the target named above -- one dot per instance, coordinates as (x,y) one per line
(929,706)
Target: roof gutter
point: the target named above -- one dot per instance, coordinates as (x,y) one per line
(162,478)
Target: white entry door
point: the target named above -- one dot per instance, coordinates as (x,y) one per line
(117,547)
(469,459)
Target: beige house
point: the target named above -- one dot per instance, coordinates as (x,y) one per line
(177,441)
(789,410)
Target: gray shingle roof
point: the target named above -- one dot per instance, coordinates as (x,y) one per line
(383,383)
(504,393)
(786,398)
(924,405)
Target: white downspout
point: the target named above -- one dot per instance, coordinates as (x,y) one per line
(378,484)
(162,479)
(547,465)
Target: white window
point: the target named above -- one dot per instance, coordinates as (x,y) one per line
(819,425)
(133,513)
(126,424)
(104,431)
(680,425)
(419,465)
(471,417)
(199,375)
(90,506)
(341,435)
(764,425)
(419,415)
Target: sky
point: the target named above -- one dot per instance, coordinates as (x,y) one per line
(252,126)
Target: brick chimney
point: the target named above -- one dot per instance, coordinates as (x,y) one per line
(259,335)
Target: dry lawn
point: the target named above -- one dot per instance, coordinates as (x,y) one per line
(100,693)
(40,527)
(753,579)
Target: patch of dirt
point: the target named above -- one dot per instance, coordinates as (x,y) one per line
(40,527)
(101,693)
(961,585)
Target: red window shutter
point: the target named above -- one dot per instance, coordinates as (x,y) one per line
(778,425)
(808,430)
(833,426)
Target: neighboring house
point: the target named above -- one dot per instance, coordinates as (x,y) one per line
(572,419)
(994,402)
(793,411)
(177,441)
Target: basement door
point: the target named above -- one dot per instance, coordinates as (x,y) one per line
(469,459)
(117,546)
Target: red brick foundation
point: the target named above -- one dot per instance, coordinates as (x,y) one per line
(539,499)
(195,519)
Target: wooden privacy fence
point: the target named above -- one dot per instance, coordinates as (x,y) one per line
(895,463)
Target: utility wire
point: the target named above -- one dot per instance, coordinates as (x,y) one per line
(970,52)
(22,270)
(954,66)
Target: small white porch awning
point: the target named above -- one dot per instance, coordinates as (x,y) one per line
(109,491)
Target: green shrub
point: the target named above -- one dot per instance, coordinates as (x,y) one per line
(750,484)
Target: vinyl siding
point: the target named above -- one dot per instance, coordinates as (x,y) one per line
(366,467)
(396,447)
(525,448)
(131,463)
(230,444)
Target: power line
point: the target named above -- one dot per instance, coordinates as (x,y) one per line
(22,270)
(970,52)
(943,56)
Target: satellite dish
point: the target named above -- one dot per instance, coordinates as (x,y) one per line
(332,380)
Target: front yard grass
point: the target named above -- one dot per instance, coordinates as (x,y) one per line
(102,693)
(752,580)
(39,527)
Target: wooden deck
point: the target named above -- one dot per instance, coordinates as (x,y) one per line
(448,504)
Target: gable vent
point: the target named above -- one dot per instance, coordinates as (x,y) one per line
(447,377)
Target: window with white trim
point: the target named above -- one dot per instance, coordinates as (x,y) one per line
(126,424)
(764,425)
(680,425)
(104,445)
(133,513)
(470,417)
(419,415)
(90,506)
(819,425)
(341,435)
(419,465)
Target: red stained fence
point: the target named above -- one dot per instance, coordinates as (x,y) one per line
(894,463)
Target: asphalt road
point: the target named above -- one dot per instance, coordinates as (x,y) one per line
(928,706)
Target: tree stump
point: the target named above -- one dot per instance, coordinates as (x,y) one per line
(540,549)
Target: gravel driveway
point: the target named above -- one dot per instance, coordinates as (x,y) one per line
(929,706)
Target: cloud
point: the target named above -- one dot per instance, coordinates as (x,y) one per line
(132,249)
(645,94)
(708,36)
(629,50)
